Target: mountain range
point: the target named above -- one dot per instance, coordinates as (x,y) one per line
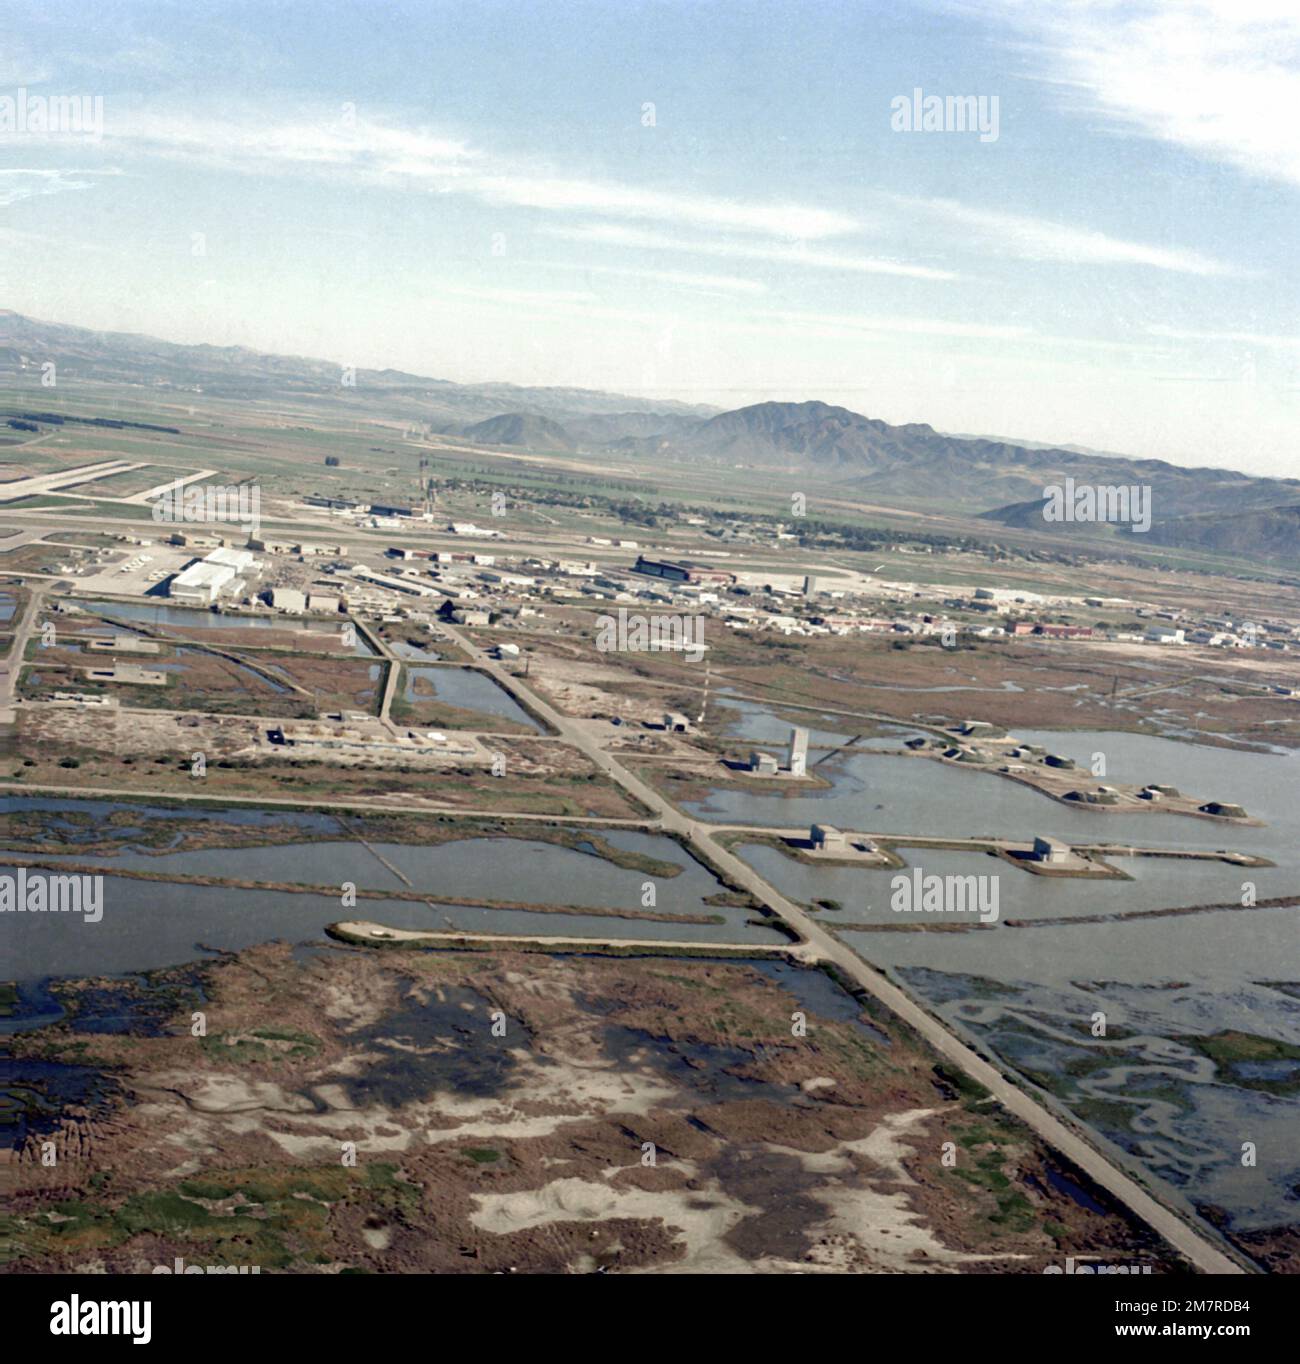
(1206,508)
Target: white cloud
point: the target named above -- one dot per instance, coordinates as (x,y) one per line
(376,152)
(45,243)
(1030,238)
(527,297)
(1229,338)
(713,284)
(772,252)
(19,67)
(19,184)
(148,55)
(584,306)
(337,144)
(908,326)
(627,201)
(1220,78)
(549,305)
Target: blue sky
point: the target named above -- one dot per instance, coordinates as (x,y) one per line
(477,192)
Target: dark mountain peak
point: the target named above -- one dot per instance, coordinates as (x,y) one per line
(778,416)
(807,433)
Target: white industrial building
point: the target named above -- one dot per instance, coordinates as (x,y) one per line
(289,599)
(201,583)
(1164,634)
(241,560)
(219,573)
(508,579)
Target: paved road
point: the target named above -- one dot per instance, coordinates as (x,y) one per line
(49,482)
(1206,1253)
(12,666)
(36,536)
(392,670)
(150,493)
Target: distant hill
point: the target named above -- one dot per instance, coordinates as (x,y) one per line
(802,435)
(1001,481)
(1212,509)
(1270,535)
(520,428)
(1041,445)
(240,374)
(630,427)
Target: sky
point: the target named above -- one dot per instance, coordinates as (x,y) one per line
(715,202)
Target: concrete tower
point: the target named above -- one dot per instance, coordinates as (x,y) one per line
(798,752)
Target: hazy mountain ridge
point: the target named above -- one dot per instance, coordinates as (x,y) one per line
(237,372)
(1206,508)
(1002,481)
(995,479)
(528,429)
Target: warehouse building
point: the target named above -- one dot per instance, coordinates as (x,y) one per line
(219,574)
(289,599)
(414,589)
(681,571)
